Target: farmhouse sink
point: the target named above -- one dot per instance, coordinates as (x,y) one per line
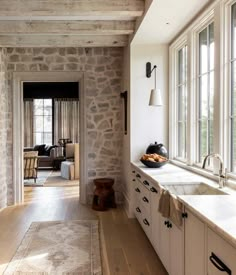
(196,188)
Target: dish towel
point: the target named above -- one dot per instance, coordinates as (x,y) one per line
(164,203)
(176,211)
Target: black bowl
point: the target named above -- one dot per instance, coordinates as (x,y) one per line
(152,164)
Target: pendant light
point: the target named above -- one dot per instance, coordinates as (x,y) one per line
(155,96)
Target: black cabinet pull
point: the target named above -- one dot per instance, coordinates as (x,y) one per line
(146,182)
(134,180)
(133,171)
(184,215)
(146,222)
(166,223)
(219,264)
(137,190)
(138,176)
(138,210)
(169,225)
(145,199)
(152,189)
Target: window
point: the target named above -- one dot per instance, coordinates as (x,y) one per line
(205,92)
(43,121)
(181,103)
(233,91)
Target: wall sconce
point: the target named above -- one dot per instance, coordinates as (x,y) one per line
(155,96)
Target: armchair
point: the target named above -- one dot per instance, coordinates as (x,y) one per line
(30,165)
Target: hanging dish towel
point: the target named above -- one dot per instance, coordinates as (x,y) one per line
(164,203)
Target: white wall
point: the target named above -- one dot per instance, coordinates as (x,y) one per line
(148,123)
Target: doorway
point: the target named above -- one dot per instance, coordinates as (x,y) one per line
(18,125)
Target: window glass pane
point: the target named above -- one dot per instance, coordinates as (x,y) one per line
(47,138)
(47,123)
(203,139)
(182,140)
(38,106)
(38,138)
(212,45)
(38,123)
(203,97)
(47,107)
(203,51)
(233,31)
(233,88)
(206,91)
(211,96)
(43,122)
(182,103)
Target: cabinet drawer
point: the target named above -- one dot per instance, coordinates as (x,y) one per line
(144,219)
(145,198)
(221,255)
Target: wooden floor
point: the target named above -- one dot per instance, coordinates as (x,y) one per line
(125,248)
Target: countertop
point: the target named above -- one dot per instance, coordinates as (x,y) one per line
(217,211)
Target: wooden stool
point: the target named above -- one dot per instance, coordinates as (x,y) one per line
(104,195)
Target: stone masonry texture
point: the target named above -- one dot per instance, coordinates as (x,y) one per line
(103,77)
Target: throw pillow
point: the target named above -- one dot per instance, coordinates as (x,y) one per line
(40,148)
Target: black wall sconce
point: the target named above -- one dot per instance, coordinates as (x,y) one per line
(124,95)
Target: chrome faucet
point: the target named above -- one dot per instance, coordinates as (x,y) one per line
(222,173)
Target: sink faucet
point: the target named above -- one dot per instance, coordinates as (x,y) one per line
(222,175)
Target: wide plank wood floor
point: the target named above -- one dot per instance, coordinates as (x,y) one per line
(125,248)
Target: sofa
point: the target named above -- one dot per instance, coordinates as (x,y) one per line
(46,154)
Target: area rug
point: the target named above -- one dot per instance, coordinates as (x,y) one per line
(55,180)
(41,179)
(68,248)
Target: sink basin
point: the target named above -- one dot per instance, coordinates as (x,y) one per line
(198,188)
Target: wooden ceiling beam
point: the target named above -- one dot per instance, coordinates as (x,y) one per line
(76,8)
(64,41)
(67,27)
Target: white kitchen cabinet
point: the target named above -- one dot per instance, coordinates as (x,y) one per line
(194,232)
(221,256)
(167,239)
(176,250)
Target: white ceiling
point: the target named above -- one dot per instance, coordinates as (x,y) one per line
(154,30)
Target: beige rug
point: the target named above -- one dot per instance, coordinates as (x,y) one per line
(68,248)
(55,179)
(42,177)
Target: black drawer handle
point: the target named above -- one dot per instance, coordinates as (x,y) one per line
(145,199)
(138,210)
(166,223)
(138,176)
(134,180)
(137,190)
(152,189)
(133,171)
(184,215)
(146,222)
(219,264)
(146,182)
(169,225)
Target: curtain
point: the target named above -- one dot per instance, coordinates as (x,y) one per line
(28,122)
(66,119)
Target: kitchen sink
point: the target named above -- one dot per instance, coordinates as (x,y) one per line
(196,188)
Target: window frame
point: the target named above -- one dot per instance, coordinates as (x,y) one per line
(43,115)
(173,125)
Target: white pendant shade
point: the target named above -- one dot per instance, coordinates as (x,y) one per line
(155,98)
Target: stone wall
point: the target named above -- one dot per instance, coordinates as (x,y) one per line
(103,77)
(4,130)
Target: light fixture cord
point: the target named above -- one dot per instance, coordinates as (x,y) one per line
(155,76)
